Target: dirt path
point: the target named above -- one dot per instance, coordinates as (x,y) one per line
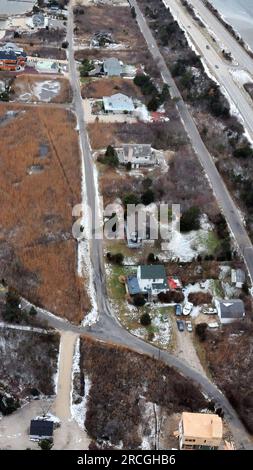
(69,435)
(186,351)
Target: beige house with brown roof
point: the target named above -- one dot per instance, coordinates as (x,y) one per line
(200,431)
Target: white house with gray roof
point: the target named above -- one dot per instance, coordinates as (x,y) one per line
(118,103)
(230,310)
(152,278)
(137,155)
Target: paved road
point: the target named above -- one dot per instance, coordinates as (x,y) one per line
(236,93)
(108,329)
(226,39)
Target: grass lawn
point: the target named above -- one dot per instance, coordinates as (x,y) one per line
(159,332)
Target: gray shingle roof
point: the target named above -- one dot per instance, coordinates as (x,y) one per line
(39,427)
(153,271)
(232,308)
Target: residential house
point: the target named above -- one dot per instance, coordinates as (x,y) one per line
(8,61)
(12,57)
(230,310)
(41,429)
(238,277)
(200,431)
(118,103)
(37,21)
(112,67)
(137,155)
(150,279)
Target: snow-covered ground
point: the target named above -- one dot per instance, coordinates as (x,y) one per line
(241,76)
(78,411)
(148,427)
(46,91)
(84,256)
(187,246)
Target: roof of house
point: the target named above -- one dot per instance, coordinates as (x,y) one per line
(38,19)
(118,102)
(39,427)
(202,425)
(137,151)
(11,46)
(232,308)
(7,55)
(238,275)
(153,271)
(133,285)
(112,67)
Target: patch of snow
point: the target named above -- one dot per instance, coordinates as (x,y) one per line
(235,112)
(241,76)
(23,328)
(163,333)
(56,375)
(48,417)
(45,91)
(187,246)
(84,255)
(150,422)
(78,411)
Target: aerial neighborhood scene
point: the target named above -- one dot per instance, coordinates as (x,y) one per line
(126,225)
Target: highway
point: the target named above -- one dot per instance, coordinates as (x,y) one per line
(108,329)
(217,65)
(229,42)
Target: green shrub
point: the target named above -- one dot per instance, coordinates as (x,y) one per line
(190,220)
(145,319)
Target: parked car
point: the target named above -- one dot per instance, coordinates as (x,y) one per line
(213,325)
(178,309)
(209,311)
(189,326)
(187,308)
(180,325)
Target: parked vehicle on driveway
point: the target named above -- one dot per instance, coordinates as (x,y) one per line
(213,325)
(188,326)
(178,309)
(209,311)
(180,325)
(187,308)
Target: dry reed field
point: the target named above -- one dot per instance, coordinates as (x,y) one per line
(39,185)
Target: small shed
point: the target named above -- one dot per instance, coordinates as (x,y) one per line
(238,277)
(41,429)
